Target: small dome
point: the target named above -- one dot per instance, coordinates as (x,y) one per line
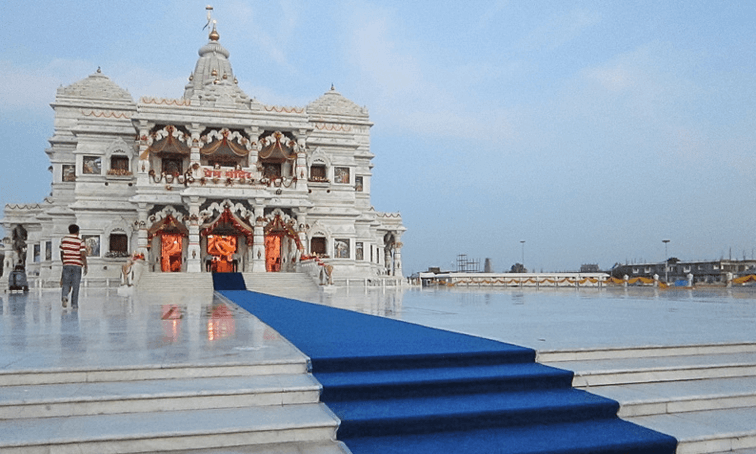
(96,86)
(333,103)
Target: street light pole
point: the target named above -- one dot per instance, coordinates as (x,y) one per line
(523,253)
(666,262)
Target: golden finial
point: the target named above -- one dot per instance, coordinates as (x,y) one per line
(214,36)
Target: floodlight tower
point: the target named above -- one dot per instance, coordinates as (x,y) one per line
(666,261)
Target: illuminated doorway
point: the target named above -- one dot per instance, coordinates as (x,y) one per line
(166,239)
(225,243)
(222,250)
(273,253)
(171,246)
(282,245)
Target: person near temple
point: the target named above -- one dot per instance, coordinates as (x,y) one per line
(73,253)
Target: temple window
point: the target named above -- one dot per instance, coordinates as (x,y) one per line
(69,172)
(341,175)
(318,173)
(318,246)
(277,154)
(358,184)
(172,166)
(119,244)
(119,165)
(341,248)
(92,165)
(359,253)
(272,170)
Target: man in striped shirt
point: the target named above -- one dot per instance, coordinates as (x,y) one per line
(73,253)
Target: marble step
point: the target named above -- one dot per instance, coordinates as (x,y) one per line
(326,447)
(207,369)
(737,451)
(79,399)
(170,430)
(646,399)
(170,282)
(709,431)
(628,370)
(549,356)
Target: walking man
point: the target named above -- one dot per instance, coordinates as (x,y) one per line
(73,253)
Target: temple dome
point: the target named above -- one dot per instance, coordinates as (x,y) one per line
(96,86)
(333,103)
(213,80)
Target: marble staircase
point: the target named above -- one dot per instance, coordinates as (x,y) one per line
(703,395)
(264,407)
(175,284)
(287,285)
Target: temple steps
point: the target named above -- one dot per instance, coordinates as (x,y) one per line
(172,283)
(704,395)
(213,409)
(287,285)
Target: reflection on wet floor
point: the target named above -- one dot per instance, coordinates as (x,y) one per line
(113,331)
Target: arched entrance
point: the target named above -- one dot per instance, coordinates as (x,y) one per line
(168,235)
(227,239)
(281,245)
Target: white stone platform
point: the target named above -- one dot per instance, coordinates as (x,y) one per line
(680,363)
(162,373)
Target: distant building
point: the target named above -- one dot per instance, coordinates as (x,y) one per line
(704,272)
(488,267)
(589,268)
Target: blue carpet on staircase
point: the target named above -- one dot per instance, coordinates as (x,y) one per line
(404,388)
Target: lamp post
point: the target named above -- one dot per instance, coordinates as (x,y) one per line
(666,262)
(522,242)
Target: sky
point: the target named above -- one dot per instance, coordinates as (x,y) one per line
(590,130)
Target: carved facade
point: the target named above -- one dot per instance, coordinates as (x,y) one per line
(214,181)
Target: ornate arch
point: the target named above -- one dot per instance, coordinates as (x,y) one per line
(217,139)
(278,221)
(169,139)
(216,208)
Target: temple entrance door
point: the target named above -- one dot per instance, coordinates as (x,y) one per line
(171,246)
(273,253)
(222,251)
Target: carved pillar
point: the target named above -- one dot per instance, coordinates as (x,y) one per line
(8,260)
(253,133)
(194,143)
(258,247)
(143,167)
(302,230)
(398,258)
(193,253)
(141,224)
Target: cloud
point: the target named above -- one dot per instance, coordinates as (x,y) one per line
(33,90)
(559,30)
(418,94)
(379,57)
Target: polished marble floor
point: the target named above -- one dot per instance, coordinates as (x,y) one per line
(566,319)
(111,331)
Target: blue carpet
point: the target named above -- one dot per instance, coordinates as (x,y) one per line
(404,388)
